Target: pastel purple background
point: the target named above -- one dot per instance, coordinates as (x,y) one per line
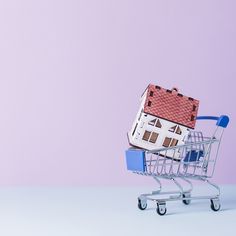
(72,73)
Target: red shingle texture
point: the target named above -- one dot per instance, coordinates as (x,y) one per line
(171,105)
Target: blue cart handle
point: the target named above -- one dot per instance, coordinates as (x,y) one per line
(222,121)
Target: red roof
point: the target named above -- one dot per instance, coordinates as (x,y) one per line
(171,105)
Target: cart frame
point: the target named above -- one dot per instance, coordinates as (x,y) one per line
(198,159)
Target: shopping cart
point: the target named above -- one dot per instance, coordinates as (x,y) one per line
(197,162)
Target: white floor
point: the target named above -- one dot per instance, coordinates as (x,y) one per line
(108,211)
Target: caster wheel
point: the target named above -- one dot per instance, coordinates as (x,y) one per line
(161,209)
(215,204)
(142,205)
(186,201)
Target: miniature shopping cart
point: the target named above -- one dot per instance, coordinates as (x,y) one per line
(197,161)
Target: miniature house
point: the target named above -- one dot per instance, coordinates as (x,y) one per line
(164,119)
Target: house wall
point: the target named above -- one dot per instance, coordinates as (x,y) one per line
(143,125)
(140,111)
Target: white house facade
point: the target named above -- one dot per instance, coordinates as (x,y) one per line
(150,132)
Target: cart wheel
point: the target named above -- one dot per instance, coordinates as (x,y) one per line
(142,205)
(161,209)
(215,204)
(186,201)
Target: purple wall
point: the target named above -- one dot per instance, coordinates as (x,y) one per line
(72,73)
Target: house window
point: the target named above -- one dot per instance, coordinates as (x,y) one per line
(150,136)
(192,118)
(166,142)
(155,122)
(153,138)
(152,122)
(175,129)
(158,124)
(173,142)
(151,93)
(178,131)
(146,135)
(170,142)
(149,103)
(172,129)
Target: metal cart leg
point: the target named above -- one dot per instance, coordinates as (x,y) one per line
(190,184)
(215,201)
(187,193)
(142,199)
(160,185)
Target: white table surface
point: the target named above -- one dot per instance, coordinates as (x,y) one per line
(105,211)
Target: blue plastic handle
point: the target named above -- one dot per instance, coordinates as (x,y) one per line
(222,121)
